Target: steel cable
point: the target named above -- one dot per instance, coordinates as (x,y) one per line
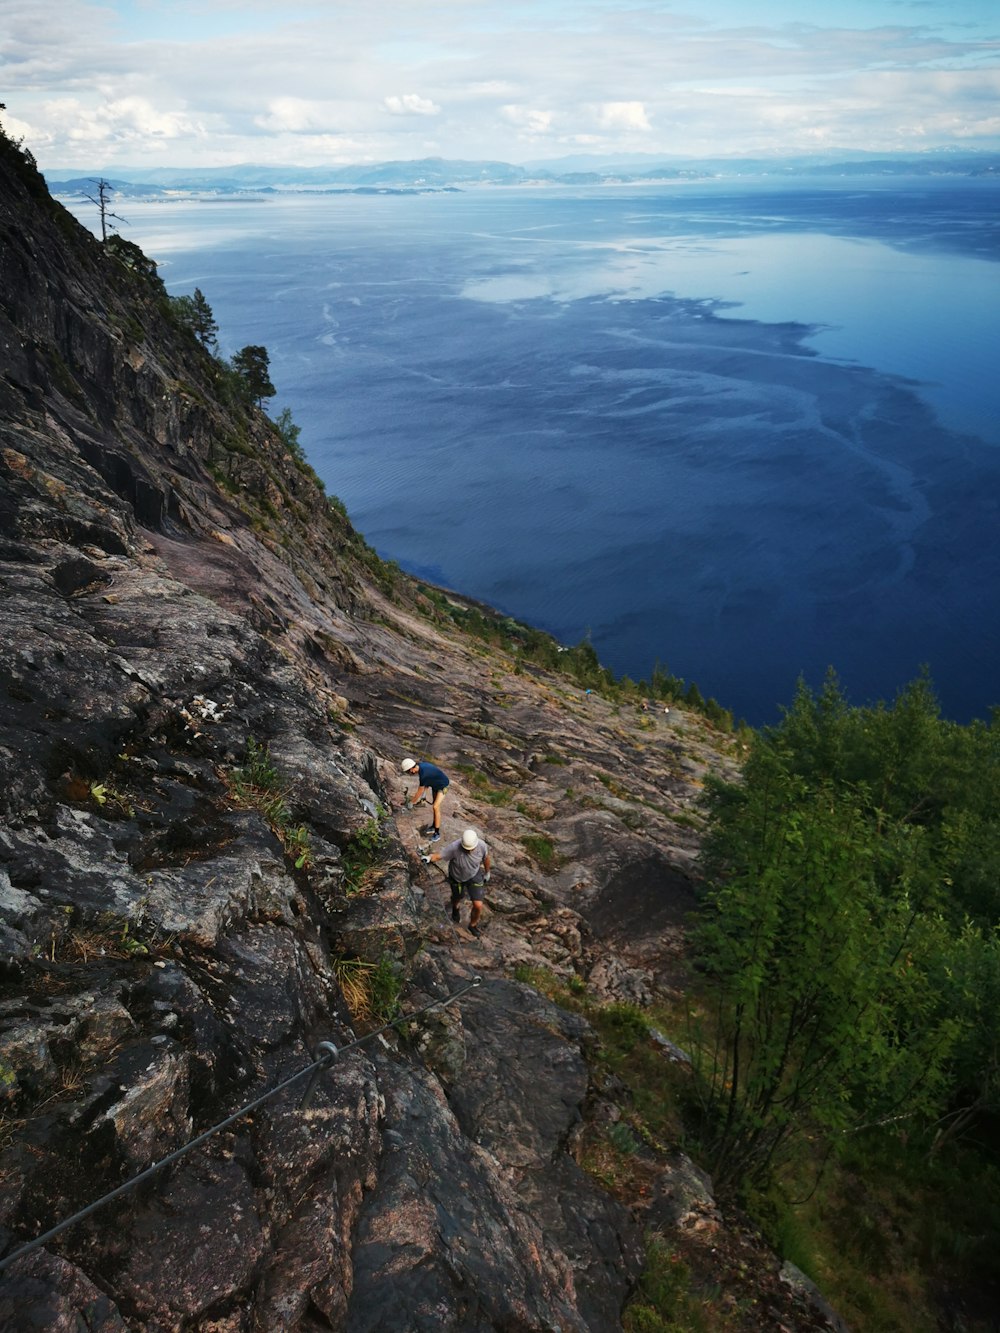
(323,1062)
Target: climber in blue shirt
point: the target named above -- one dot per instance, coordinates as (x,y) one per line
(431,778)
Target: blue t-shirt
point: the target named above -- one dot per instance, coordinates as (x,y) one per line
(431,776)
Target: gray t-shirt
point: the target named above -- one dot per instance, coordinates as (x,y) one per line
(464,866)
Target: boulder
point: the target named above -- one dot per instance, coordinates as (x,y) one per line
(612,980)
(196,1244)
(45,1293)
(681,1194)
(522,1086)
(442,1242)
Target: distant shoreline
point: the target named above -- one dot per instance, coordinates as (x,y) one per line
(443,176)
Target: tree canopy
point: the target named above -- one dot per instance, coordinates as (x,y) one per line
(252,365)
(196,314)
(850,931)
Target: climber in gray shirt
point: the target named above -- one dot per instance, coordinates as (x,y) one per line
(468,860)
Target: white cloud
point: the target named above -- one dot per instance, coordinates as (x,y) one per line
(18,129)
(528,119)
(411,104)
(298,115)
(492,88)
(258,81)
(118,121)
(623,116)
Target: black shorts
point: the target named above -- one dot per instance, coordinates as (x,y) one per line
(473,887)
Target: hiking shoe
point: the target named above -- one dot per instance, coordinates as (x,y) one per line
(454,914)
(474,930)
(435,836)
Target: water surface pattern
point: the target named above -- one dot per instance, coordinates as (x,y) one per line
(745,431)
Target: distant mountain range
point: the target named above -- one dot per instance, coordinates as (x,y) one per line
(438,173)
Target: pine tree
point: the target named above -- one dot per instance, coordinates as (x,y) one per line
(206,330)
(252,364)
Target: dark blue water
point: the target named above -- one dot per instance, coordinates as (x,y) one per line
(745,432)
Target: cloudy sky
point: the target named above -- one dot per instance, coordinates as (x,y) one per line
(96,85)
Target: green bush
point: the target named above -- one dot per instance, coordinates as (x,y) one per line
(623,1139)
(290,433)
(624,1025)
(386,987)
(258,784)
(131,257)
(364,850)
(664,1302)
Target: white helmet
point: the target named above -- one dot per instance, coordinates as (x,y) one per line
(408,765)
(470,839)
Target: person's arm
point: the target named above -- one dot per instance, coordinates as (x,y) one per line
(443,854)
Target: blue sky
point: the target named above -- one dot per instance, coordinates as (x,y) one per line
(215,82)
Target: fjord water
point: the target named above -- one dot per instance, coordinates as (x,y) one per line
(742,430)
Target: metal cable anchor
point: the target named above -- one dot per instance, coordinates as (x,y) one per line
(326,1053)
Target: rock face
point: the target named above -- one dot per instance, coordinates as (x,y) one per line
(207,682)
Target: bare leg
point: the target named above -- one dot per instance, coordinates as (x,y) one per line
(438,799)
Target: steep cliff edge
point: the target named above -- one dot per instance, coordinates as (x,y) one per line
(207,682)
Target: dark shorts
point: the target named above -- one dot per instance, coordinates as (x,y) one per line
(474,888)
(436,791)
